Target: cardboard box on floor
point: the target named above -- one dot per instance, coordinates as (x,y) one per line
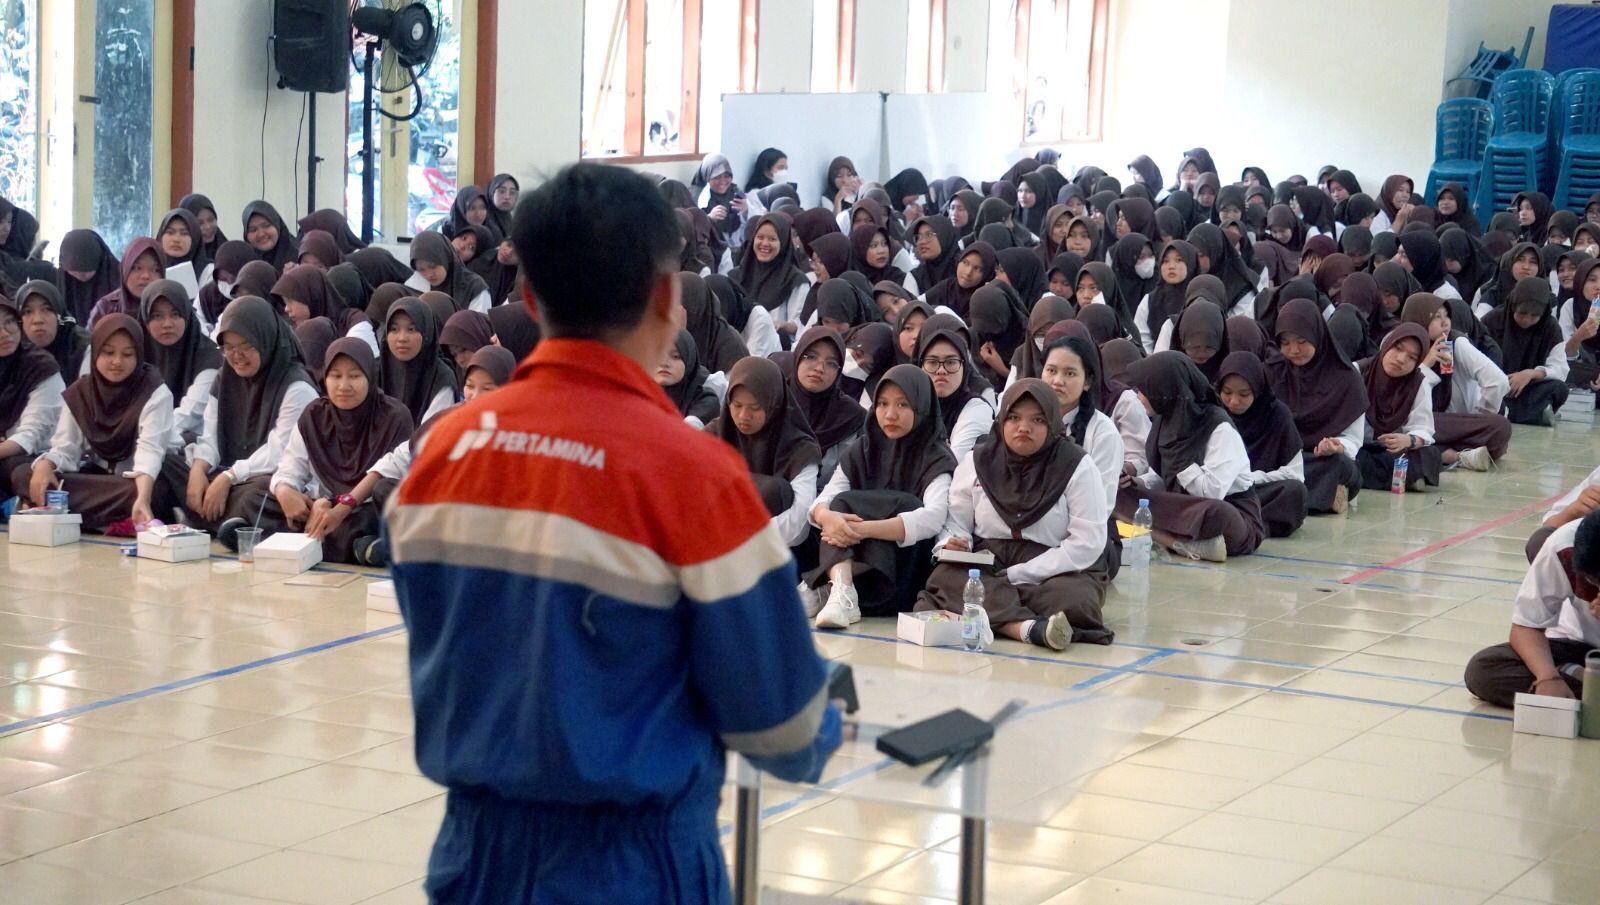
(35,528)
(288,553)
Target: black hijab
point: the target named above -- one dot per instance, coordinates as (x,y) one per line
(1131,287)
(461,284)
(834,417)
(998,317)
(1426,256)
(1267,426)
(286,251)
(194,204)
(785,445)
(1186,412)
(416,382)
(1166,299)
(21,372)
(931,273)
(71,341)
(1326,394)
(911,463)
(951,294)
(84,251)
(1463,217)
(690,394)
(1024,488)
(193,353)
(770,284)
(935,329)
(196,256)
(722,344)
(1524,348)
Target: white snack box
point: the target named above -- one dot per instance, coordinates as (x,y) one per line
(380,596)
(166,547)
(1538,714)
(46,529)
(290,554)
(919,628)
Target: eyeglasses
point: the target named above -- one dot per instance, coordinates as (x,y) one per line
(941,365)
(237,350)
(812,358)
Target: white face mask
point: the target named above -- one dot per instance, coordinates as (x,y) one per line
(1146,268)
(780,176)
(1561,242)
(1591,249)
(853,369)
(226,288)
(1038,343)
(922,201)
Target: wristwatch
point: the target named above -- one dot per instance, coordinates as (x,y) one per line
(345,499)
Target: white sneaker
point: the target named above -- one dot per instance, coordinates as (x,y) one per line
(810,599)
(841,610)
(1058,632)
(1477,459)
(1211,549)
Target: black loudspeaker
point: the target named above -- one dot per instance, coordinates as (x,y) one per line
(311,44)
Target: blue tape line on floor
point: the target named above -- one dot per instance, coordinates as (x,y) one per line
(1456,576)
(195,680)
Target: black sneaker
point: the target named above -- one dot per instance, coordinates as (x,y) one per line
(228,533)
(370,551)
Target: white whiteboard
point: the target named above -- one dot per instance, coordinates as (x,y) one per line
(811,128)
(971,134)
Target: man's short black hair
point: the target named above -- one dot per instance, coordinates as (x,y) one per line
(1586,546)
(591,242)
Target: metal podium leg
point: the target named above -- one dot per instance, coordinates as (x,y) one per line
(974,844)
(746,835)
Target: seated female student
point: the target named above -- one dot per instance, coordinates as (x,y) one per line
(232,256)
(977,267)
(881,509)
(1073,372)
(435,261)
(684,379)
(1062,276)
(1277,463)
(907,327)
(1196,484)
(721,346)
(339,438)
(179,238)
(871,353)
(410,366)
(141,266)
(752,322)
(1532,353)
(1399,419)
(463,335)
(319,251)
(999,325)
(1580,325)
(1028,360)
(88,271)
(258,400)
(890,297)
(768,275)
(1030,496)
(1097,287)
(1520,262)
(266,232)
(48,326)
(769,429)
(1553,622)
(186,359)
(1204,287)
(1329,401)
(116,419)
(870,255)
(1467,425)
(30,392)
(814,370)
(1178,265)
(942,352)
(305,293)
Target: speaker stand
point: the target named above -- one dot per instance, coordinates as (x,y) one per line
(311,156)
(366,147)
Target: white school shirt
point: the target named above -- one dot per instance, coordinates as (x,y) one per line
(69,447)
(1294,470)
(1546,600)
(190,413)
(790,309)
(295,469)
(1141,320)
(1164,338)
(1381,223)
(39,415)
(1104,446)
(1350,438)
(441,401)
(793,523)
(1244,307)
(907,262)
(1419,420)
(480,303)
(1448,291)
(365,332)
(920,524)
(264,459)
(1477,385)
(760,334)
(1572,495)
(1555,364)
(976,417)
(1074,528)
(1133,423)
(1220,473)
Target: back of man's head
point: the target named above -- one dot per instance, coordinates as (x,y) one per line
(1586,547)
(592,242)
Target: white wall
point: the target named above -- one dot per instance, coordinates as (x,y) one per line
(233,81)
(783,47)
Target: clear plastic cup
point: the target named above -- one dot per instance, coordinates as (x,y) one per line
(248,538)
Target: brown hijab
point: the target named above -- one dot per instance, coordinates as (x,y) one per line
(1326,394)
(194,352)
(1390,399)
(108,413)
(834,417)
(122,300)
(785,445)
(496,361)
(1047,312)
(343,445)
(461,284)
(247,407)
(322,246)
(1024,488)
(310,287)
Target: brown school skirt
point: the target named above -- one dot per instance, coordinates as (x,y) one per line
(1080,595)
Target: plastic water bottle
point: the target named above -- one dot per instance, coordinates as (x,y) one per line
(972,615)
(1397,481)
(1137,549)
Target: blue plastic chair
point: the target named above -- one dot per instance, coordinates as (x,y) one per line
(1517,157)
(1578,116)
(1461,130)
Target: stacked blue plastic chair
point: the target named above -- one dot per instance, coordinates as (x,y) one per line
(1577,116)
(1518,154)
(1461,131)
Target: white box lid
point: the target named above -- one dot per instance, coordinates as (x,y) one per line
(163,539)
(287,545)
(1546,702)
(40,517)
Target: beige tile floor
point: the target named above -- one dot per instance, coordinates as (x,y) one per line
(1313,743)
